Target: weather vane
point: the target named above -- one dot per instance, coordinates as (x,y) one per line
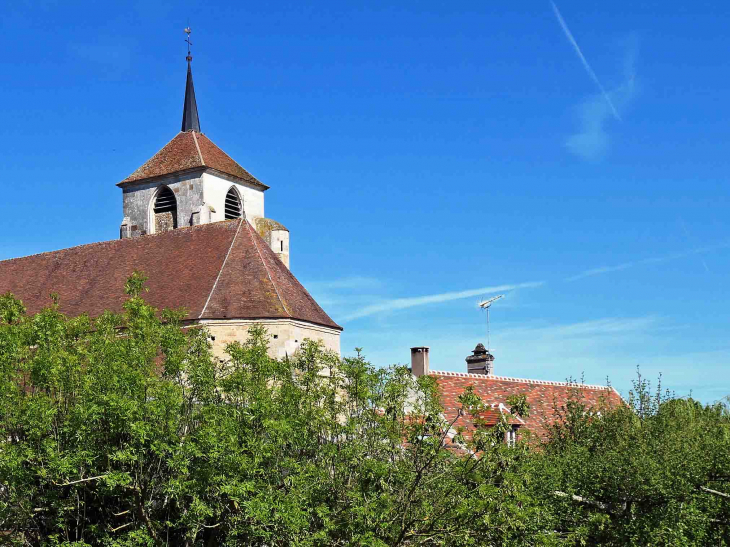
(188,31)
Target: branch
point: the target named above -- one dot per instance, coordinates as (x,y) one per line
(143,516)
(122,526)
(80,480)
(714,492)
(593,503)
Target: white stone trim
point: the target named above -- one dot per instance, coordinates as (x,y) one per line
(200,154)
(264,322)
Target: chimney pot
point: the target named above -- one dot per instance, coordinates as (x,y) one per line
(480,361)
(419,361)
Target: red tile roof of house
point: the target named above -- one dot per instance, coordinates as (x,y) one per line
(222,270)
(543,396)
(190,150)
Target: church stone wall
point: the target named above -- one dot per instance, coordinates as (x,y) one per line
(137,200)
(215,188)
(285,335)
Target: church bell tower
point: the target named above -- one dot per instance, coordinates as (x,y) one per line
(191,181)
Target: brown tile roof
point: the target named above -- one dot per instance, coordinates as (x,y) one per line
(216,271)
(543,396)
(190,150)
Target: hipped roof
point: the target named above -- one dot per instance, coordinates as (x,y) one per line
(222,270)
(190,150)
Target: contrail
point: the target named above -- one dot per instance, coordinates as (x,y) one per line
(654,260)
(588,68)
(403,303)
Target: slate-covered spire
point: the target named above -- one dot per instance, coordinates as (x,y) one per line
(190,121)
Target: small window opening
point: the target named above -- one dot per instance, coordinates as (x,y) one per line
(276,337)
(233,204)
(282,246)
(165,210)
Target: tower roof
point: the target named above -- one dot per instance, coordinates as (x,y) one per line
(222,270)
(190,120)
(191,150)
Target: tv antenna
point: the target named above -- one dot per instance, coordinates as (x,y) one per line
(485,305)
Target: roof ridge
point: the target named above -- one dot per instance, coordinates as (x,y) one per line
(522,380)
(268,273)
(109,241)
(219,148)
(223,266)
(200,154)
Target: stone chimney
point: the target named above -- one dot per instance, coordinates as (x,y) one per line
(480,362)
(419,361)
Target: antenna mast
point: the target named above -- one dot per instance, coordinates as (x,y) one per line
(485,305)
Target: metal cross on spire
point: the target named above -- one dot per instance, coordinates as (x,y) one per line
(187,39)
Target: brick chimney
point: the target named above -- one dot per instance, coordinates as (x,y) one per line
(419,361)
(480,361)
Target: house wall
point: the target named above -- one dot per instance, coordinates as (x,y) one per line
(285,335)
(215,188)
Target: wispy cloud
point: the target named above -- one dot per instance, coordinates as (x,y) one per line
(646,261)
(686,234)
(589,70)
(592,141)
(403,303)
(348,283)
(339,295)
(606,326)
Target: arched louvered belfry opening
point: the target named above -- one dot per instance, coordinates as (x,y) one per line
(165,210)
(233,207)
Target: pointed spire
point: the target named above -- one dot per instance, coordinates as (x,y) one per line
(190,121)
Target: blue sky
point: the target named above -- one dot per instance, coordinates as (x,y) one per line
(423,155)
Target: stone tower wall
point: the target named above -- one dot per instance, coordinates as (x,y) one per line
(137,201)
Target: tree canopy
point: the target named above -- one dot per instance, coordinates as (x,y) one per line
(126,430)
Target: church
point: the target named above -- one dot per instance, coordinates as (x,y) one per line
(194,224)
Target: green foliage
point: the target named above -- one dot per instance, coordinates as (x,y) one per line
(125,430)
(638,474)
(135,284)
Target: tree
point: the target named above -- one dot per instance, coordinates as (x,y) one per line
(652,472)
(124,430)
